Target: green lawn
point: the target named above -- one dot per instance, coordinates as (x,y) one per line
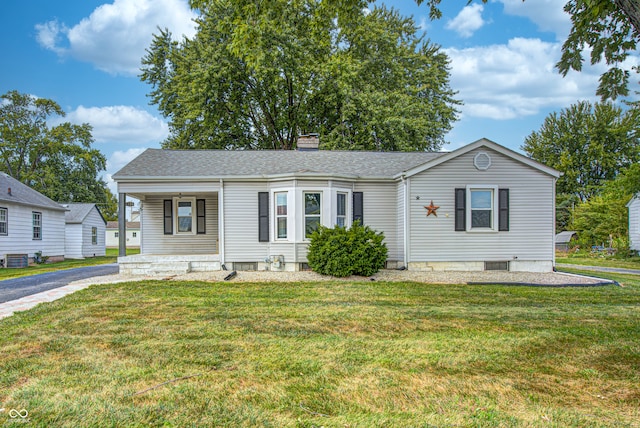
(111,257)
(599,260)
(162,353)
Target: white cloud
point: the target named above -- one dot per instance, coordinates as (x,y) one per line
(121,124)
(114,37)
(467,21)
(516,80)
(116,161)
(548,15)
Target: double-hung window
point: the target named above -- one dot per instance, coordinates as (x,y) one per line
(341,209)
(4,221)
(312,213)
(281,215)
(94,236)
(184,216)
(37,225)
(481,207)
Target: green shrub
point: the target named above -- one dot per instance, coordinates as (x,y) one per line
(342,252)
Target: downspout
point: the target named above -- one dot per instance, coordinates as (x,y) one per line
(405,231)
(221,222)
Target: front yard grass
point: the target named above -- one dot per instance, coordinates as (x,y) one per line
(334,354)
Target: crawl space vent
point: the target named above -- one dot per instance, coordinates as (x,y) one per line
(496,265)
(482,161)
(245,266)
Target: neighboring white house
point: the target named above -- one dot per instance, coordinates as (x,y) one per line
(84,231)
(634,223)
(479,207)
(132,233)
(30,224)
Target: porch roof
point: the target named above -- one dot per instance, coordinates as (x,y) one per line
(213,164)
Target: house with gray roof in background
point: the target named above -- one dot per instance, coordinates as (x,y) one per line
(479,207)
(31,225)
(84,231)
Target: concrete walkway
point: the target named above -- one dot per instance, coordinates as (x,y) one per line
(28,302)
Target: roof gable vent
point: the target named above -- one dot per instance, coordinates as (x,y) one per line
(482,161)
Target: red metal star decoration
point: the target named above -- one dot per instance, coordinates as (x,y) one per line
(431,209)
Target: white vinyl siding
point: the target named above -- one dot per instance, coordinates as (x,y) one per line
(241,223)
(634,224)
(380,212)
(79,237)
(154,241)
(19,237)
(531,216)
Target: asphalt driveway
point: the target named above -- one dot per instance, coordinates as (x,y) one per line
(16,288)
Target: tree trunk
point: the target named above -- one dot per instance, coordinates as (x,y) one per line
(631,8)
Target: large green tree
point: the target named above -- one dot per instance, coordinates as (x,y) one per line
(589,144)
(257,74)
(57,161)
(609,28)
(605,216)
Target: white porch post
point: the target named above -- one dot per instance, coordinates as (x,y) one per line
(122,224)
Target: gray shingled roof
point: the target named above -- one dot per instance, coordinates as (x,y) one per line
(78,212)
(24,195)
(159,163)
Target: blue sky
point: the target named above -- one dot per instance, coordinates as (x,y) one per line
(85,55)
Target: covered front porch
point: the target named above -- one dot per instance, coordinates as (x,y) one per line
(179,226)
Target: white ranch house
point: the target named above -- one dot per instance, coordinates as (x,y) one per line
(30,224)
(479,207)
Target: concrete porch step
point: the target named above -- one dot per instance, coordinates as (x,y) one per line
(167,268)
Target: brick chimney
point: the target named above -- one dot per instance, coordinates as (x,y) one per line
(308,143)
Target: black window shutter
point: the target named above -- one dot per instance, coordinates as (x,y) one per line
(503,213)
(200,217)
(168,217)
(460,210)
(358,208)
(263,216)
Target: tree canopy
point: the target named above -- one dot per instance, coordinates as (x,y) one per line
(57,161)
(610,28)
(258,74)
(589,144)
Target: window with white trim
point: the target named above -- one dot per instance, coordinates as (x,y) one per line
(184,215)
(281,215)
(94,236)
(312,212)
(481,207)
(4,221)
(341,209)
(37,225)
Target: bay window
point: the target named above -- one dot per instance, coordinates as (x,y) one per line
(312,213)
